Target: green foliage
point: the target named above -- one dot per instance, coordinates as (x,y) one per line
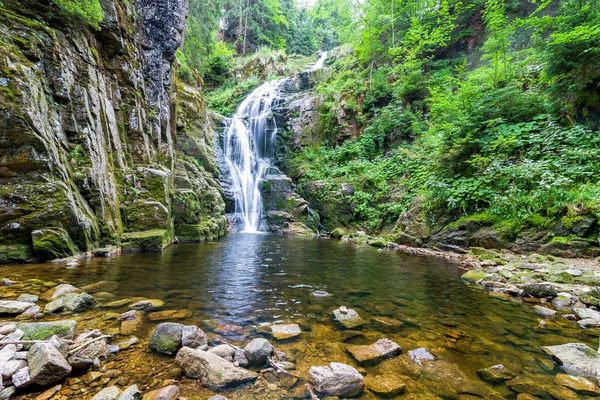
(184,72)
(224,100)
(87,11)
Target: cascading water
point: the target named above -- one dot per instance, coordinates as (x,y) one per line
(249,149)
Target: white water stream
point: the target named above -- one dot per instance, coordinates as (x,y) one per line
(249,150)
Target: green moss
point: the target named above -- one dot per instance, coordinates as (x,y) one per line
(15,253)
(338,233)
(560,239)
(164,345)
(153,240)
(52,243)
(378,242)
(561,277)
(474,275)
(569,221)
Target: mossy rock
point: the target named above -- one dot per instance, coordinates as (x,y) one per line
(45,330)
(337,233)
(474,275)
(378,242)
(15,253)
(561,277)
(52,243)
(154,240)
(166,338)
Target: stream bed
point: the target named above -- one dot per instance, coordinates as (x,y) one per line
(236,287)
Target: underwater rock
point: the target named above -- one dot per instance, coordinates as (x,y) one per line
(385,385)
(419,355)
(287,331)
(544,311)
(348,318)
(375,353)
(496,374)
(577,384)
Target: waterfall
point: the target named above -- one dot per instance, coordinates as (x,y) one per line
(249,149)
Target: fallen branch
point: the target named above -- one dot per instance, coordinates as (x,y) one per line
(313,396)
(81,347)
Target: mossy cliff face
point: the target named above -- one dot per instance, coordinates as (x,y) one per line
(88,136)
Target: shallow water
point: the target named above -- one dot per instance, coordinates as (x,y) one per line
(250,280)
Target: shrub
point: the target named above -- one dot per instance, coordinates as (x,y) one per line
(89,12)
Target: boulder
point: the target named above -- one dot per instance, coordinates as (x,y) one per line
(586,313)
(258,350)
(45,330)
(110,393)
(337,379)
(52,243)
(285,331)
(58,291)
(348,318)
(577,384)
(496,374)
(46,364)
(214,371)
(375,353)
(166,338)
(170,392)
(12,307)
(539,289)
(224,351)
(194,337)
(576,358)
(77,301)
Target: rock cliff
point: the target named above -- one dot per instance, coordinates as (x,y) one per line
(100,145)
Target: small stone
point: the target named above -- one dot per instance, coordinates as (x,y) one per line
(21,378)
(47,395)
(28,298)
(131,393)
(54,307)
(192,336)
(167,393)
(496,374)
(419,355)
(383,348)
(59,291)
(128,343)
(348,319)
(539,289)
(147,305)
(224,351)
(287,331)
(7,329)
(320,294)
(9,368)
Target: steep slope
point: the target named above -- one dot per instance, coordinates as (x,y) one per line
(95,150)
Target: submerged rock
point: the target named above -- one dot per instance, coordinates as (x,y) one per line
(419,355)
(576,358)
(378,351)
(287,331)
(169,315)
(385,385)
(496,374)
(46,364)
(147,305)
(529,384)
(348,318)
(212,370)
(337,379)
(577,384)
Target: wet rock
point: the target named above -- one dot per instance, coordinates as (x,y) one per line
(258,350)
(287,331)
(539,289)
(80,363)
(77,301)
(131,323)
(58,291)
(194,337)
(170,392)
(45,330)
(544,312)
(561,393)
(46,364)
(576,358)
(225,329)
(385,324)
(48,394)
(169,315)
(31,313)
(348,318)
(131,393)
(529,384)
(375,353)
(589,323)
(166,338)
(586,313)
(496,374)
(12,307)
(385,385)
(28,298)
(54,307)
(212,370)
(117,303)
(473,276)
(419,355)
(577,384)
(147,305)
(102,286)
(110,393)
(562,300)
(337,379)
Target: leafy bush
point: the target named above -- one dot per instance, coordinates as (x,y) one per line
(89,12)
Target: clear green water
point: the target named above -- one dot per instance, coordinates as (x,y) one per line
(251,280)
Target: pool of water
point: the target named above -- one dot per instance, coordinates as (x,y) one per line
(247,281)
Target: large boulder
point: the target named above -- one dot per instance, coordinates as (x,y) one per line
(52,243)
(214,371)
(337,379)
(166,338)
(77,301)
(258,350)
(576,358)
(46,364)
